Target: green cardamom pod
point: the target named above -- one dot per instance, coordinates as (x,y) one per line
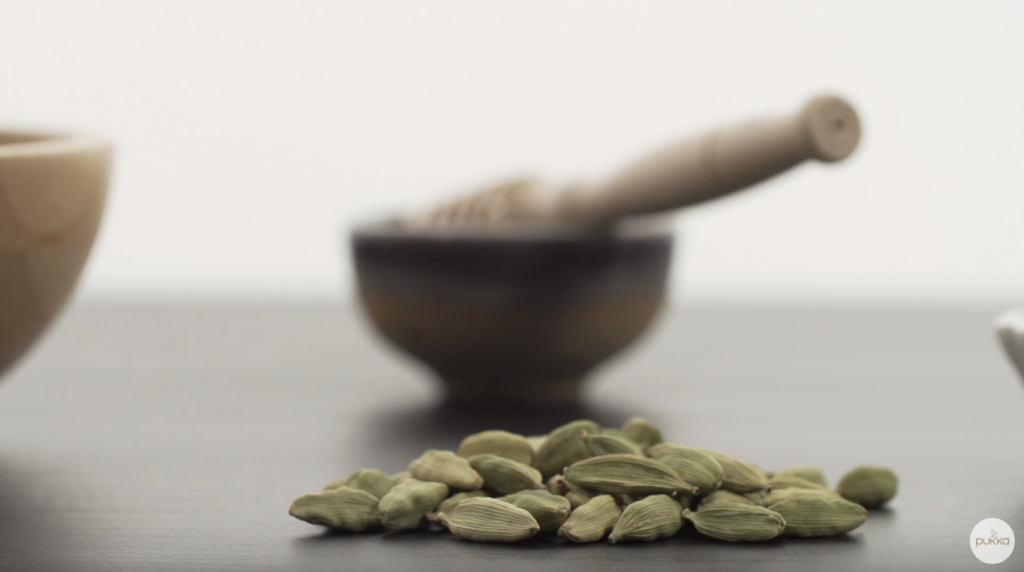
(559,486)
(806,472)
(592,521)
(780,482)
(505,476)
(627,474)
(784,494)
(726,496)
(869,486)
(737,522)
(407,503)
(579,497)
(370,480)
(615,432)
(549,510)
(642,431)
(446,467)
(657,516)
(695,466)
(500,443)
(759,497)
(536,441)
(341,508)
(563,447)
(400,477)
(335,484)
(739,476)
(818,515)
(604,444)
(449,504)
(490,520)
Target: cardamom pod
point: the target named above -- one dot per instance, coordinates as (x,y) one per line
(806,472)
(335,484)
(500,443)
(563,447)
(759,497)
(342,508)
(627,474)
(490,520)
(400,477)
(535,442)
(726,496)
(818,515)
(559,486)
(407,503)
(505,476)
(869,486)
(784,494)
(549,510)
(780,482)
(614,432)
(370,480)
(446,467)
(695,466)
(449,504)
(579,497)
(656,516)
(604,444)
(739,476)
(591,521)
(737,522)
(642,431)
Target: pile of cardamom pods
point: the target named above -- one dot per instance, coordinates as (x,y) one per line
(585,483)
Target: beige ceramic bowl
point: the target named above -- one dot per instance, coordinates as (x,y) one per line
(52,191)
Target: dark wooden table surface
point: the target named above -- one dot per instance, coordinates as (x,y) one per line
(139,438)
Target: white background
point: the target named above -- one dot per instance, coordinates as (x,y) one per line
(251,134)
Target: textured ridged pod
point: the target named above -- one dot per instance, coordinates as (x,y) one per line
(780,482)
(490,520)
(559,486)
(656,516)
(642,431)
(549,510)
(785,494)
(736,522)
(726,496)
(806,472)
(603,444)
(759,498)
(400,477)
(563,447)
(500,443)
(739,476)
(405,506)
(341,508)
(592,521)
(449,504)
(446,467)
(695,466)
(627,474)
(370,480)
(335,484)
(579,497)
(818,515)
(505,476)
(869,486)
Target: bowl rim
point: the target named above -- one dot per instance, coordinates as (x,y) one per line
(632,228)
(31,143)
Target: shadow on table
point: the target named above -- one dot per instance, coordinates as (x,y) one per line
(31,521)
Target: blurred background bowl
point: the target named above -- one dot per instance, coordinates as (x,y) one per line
(515,314)
(52,192)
